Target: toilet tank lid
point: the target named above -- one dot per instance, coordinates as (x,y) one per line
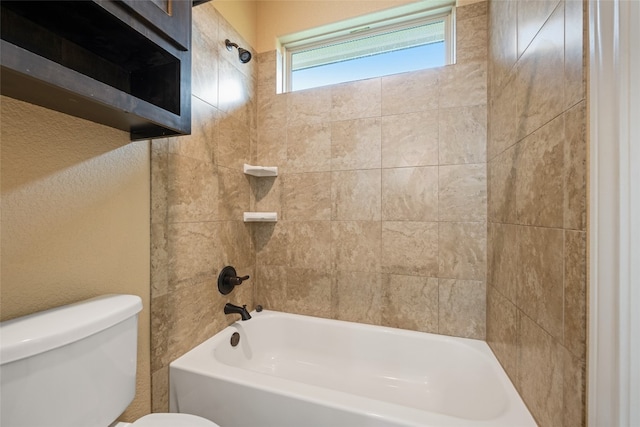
(43,331)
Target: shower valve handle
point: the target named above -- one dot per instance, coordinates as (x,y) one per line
(228,279)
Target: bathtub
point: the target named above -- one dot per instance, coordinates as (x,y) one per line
(298,371)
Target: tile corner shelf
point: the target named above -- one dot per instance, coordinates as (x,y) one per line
(260,216)
(260,170)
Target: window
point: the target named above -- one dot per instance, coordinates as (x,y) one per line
(371,46)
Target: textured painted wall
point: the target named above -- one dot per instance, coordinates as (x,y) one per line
(381,196)
(536,305)
(75,218)
(199,193)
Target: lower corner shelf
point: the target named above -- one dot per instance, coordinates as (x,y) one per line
(260,216)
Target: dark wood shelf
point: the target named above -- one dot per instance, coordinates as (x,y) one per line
(103,61)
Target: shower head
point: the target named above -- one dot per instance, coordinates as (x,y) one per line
(243,54)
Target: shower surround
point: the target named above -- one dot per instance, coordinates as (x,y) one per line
(536,151)
(383,198)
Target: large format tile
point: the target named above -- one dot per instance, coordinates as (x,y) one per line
(540,277)
(539,82)
(539,183)
(307,107)
(464,85)
(408,93)
(501,189)
(471,38)
(575,292)
(502,259)
(355,246)
(355,195)
(462,193)
(307,196)
(575,168)
(410,194)
(462,250)
(540,372)
(410,139)
(462,308)
(463,135)
(410,302)
(501,330)
(410,248)
(355,144)
(503,41)
(358,296)
(355,100)
(309,292)
(308,148)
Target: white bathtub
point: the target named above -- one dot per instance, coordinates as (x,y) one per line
(300,371)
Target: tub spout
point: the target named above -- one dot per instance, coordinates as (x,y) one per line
(242,311)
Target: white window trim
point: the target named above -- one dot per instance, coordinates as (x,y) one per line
(397,18)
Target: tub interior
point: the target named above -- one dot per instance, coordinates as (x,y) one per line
(399,367)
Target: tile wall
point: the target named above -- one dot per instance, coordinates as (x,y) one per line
(536,153)
(381,196)
(199,193)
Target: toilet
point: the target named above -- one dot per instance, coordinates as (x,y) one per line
(75,366)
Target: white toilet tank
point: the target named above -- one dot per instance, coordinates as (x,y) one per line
(71,366)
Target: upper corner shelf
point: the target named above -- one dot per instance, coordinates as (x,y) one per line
(260,170)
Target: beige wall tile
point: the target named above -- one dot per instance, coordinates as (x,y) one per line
(159,260)
(503,40)
(271,110)
(266,194)
(205,57)
(575,168)
(539,84)
(410,194)
(191,249)
(463,85)
(502,187)
(159,185)
(266,78)
(233,247)
(462,250)
(355,245)
(575,292)
(309,292)
(539,372)
(271,287)
(471,38)
(540,276)
(574,53)
(235,91)
(308,148)
(233,194)
(271,242)
(355,100)
(309,244)
(472,10)
(462,135)
(307,107)
(501,330)
(272,147)
(410,140)
(539,183)
(356,195)
(160,390)
(408,93)
(503,109)
(355,144)
(359,296)
(410,302)
(306,196)
(462,193)
(532,14)
(502,259)
(233,145)
(192,190)
(202,144)
(410,248)
(159,332)
(462,308)
(574,390)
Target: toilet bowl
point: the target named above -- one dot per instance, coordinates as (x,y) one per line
(75,366)
(169,420)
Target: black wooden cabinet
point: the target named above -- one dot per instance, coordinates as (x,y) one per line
(122,63)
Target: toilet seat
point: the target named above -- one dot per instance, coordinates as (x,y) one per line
(173,420)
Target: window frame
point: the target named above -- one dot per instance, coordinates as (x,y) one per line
(368,25)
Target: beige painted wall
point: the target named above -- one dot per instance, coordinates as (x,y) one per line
(75,218)
(261,22)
